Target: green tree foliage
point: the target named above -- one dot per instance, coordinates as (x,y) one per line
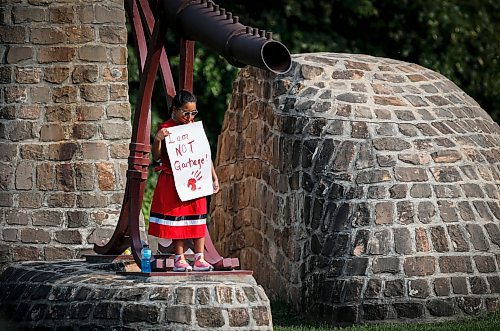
(457,38)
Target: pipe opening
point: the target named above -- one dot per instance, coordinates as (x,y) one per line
(276,57)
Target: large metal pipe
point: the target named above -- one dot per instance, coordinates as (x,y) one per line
(205,22)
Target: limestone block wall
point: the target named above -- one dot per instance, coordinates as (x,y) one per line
(361,189)
(64,126)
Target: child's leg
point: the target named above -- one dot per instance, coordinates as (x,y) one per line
(199,245)
(180,263)
(199,260)
(178,246)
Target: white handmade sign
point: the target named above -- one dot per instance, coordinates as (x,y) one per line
(189,153)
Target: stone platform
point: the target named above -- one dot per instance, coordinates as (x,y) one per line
(76,295)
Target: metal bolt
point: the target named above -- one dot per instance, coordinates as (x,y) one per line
(269,35)
(255,31)
(229,15)
(222,12)
(248,30)
(236,19)
(262,33)
(216,7)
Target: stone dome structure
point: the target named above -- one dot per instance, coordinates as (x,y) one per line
(361,189)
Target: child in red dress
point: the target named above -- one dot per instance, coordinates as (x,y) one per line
(171,218)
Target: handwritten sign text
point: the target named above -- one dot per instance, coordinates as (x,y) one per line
(190,157)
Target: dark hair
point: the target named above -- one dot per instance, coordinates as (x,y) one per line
(181,98)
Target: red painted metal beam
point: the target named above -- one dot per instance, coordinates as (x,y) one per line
(127,231)
(147,16)
(120,240)
(141,136)
(137,31)
(201,275)
(186,64)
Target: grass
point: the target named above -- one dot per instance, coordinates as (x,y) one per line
(285,319)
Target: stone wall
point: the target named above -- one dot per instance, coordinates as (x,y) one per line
(81,296)
(64,126)
(361,189)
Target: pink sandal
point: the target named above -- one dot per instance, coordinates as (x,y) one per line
(181,264)
(201,265)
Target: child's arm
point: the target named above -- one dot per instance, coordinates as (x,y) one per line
(156,148)
(215,180)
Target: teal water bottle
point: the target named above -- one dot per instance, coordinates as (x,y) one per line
(146,258)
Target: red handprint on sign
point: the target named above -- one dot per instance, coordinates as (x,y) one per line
(192,181)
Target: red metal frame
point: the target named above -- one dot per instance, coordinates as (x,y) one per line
(186,65)
(187,274)
(146,26)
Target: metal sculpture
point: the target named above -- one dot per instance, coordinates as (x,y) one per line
(202,21)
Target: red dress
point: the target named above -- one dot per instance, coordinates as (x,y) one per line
(170,217)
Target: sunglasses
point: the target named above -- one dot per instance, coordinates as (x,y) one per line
(190,113)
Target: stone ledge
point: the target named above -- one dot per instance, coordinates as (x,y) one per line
(76,295)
